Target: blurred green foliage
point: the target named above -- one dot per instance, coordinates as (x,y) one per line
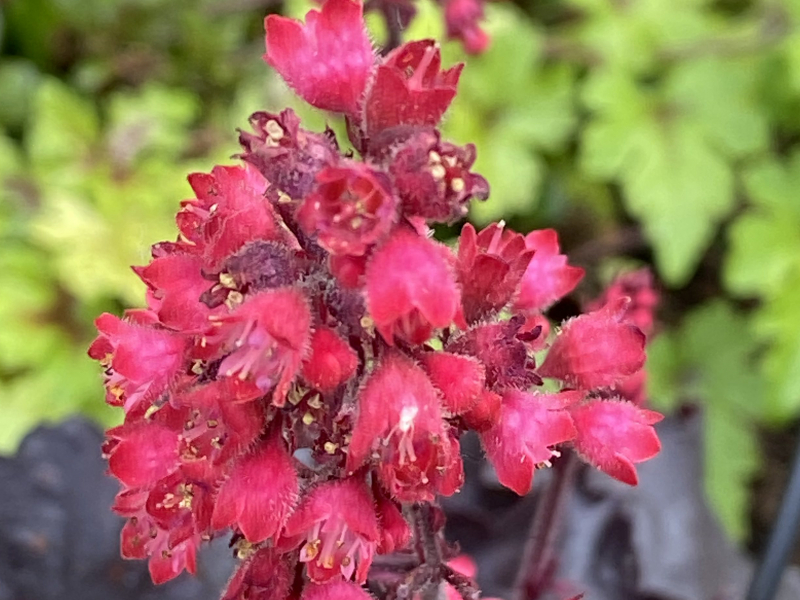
(646,131)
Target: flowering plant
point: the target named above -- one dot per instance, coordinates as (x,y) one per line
(310,355)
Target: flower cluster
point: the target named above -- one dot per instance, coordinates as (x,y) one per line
(310,355)
(461,18)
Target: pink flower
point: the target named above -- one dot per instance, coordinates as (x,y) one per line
(638,287)
(490,267)
(410,89)
(337,528)
(501,348)
(613,435)
(597,349)
(548,277)
(139,454)
(331,361)
(410,288)
(461,17)
(395,532)
(268,336)
(523,437)
(350,209)
(259,492)
(176,284)
(433,178)
(459,378)
(328,60)
(399,418)
(287,155)
(141,362)
(229,212)
(335,590)
(266,575)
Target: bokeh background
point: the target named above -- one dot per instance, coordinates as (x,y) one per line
(660,133)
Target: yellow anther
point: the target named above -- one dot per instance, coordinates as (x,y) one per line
(330,447)
(438,172)
(274,130)
(226,279)
(308,418)
(457,185)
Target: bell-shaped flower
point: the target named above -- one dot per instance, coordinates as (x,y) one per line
(350,209)
(461,18)
(140,361)
(331,361)
(614,435)
(327,60)
(597,349)
(264,575)
(176,284)
(259,493)
(433,178)
(548,277)
(267,337)
(459,378)
(400,420)
(287,155)
(410,288)
(490,267)
(502,349)
(142,452)
(337,530)
(410,89)
(525,433)
(335,590)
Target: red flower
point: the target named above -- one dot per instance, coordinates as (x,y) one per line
(548,276)
(395,532)
(613,435)
(350,209)
(410,89)
(335,590)
(140,361)
(410,288)
(268,335)
(338,529)
(259,492)
(170,552)
(528,427)
(459,378)
(597,349)
(638,287)
(399,417)
(433,180)
(265,575)
(501,348)
(461,17)
(490,267)
(328,60)
(286,154)
(176,284)
(141,453)
(331,361)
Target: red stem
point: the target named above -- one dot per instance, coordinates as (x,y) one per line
(536,568)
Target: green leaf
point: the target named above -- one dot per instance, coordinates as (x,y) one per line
(674,180)
(64,127)
(777,323)
(709,360)
(732,461)
(663,373)
(765,240)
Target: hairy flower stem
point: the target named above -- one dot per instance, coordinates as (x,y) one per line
(428,549)
(536,566)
